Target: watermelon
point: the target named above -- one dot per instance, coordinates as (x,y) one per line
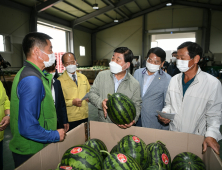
(82,157)
(119,161)
(98,145)
(158,154)
(135,147)
(187,160)
(114,149)
(154,167)
(121,109)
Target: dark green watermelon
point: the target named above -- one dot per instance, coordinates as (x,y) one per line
(135,147)
(114,149)
(82,157)
(98,145)
(119,161)
(154,167)
(158,154)
(187,160)
(121,109)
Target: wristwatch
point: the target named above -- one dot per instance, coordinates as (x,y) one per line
(7,115)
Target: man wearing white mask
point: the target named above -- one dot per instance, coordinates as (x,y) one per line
(33,115)
(116,80)
(195,98)
(153,83)
(74,86)
(172,69)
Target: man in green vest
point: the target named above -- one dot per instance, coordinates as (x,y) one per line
(33,115)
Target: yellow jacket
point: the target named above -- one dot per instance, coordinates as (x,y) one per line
(71,91)
(4,105)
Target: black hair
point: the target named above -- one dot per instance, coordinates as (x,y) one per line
(193,49)
(159,52)
(34,39)
(68,53)
(175,52)
(128,54)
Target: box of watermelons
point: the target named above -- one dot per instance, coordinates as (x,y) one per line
(132,148)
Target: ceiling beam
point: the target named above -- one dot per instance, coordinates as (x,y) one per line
(16,5)
(101,11)
(149,3)
(154,8)
(127,9)
(138,5)
(121,13)
(47,4)
(198,5)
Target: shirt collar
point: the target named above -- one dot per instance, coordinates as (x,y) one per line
(70,75)
(115,79)
(152,74)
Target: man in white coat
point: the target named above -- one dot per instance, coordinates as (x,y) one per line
(195,98)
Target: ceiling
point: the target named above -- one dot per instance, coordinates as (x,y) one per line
(80,14)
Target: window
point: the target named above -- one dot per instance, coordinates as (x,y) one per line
(82,50)
(1,43)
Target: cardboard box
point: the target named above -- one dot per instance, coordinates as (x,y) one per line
(110,134)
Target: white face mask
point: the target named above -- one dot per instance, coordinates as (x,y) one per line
(174,59)
(183,65)
(53,74)
(51,59)
(115,68)
(152,67)
(71,68)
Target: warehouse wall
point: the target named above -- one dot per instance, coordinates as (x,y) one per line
(216,32)
(14,23)
(82,39)
(128,34)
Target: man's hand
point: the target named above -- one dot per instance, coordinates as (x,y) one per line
(104,107)
(127,125)
(62,134)
(87,100)
(66,127)
(4,123)
(77,102)
(211,142)
(165,121)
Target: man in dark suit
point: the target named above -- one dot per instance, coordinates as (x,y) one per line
(59,101)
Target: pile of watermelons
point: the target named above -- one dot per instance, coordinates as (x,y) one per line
(131,153)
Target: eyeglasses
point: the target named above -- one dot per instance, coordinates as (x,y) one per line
(156,62)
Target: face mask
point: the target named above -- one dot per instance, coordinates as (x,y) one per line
(115,68)
(51,59)
(174,59)
(152,67)
(182,65)
(71,68)
(53,74)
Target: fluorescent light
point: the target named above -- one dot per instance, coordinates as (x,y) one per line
(168,4)
(116,20)
(95,6)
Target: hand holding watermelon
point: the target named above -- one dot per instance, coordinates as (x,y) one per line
(211,142)
(127,125)
(104,107)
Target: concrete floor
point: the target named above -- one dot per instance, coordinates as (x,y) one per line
(8,160)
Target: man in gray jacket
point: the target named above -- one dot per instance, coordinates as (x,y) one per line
(116,80)
(153,83)
(195,98)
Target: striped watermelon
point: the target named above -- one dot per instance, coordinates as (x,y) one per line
(158,154)
(82,157)
(98,145)
(187,160)
(135,147)
(154,167)
(121,109)
(119,161)
(114,149)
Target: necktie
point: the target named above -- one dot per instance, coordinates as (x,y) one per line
(74,79)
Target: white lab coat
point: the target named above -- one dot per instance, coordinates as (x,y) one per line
(199,111)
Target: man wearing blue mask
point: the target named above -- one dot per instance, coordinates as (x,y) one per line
(194,97)
(153,83)
(116,80)
(33,115)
